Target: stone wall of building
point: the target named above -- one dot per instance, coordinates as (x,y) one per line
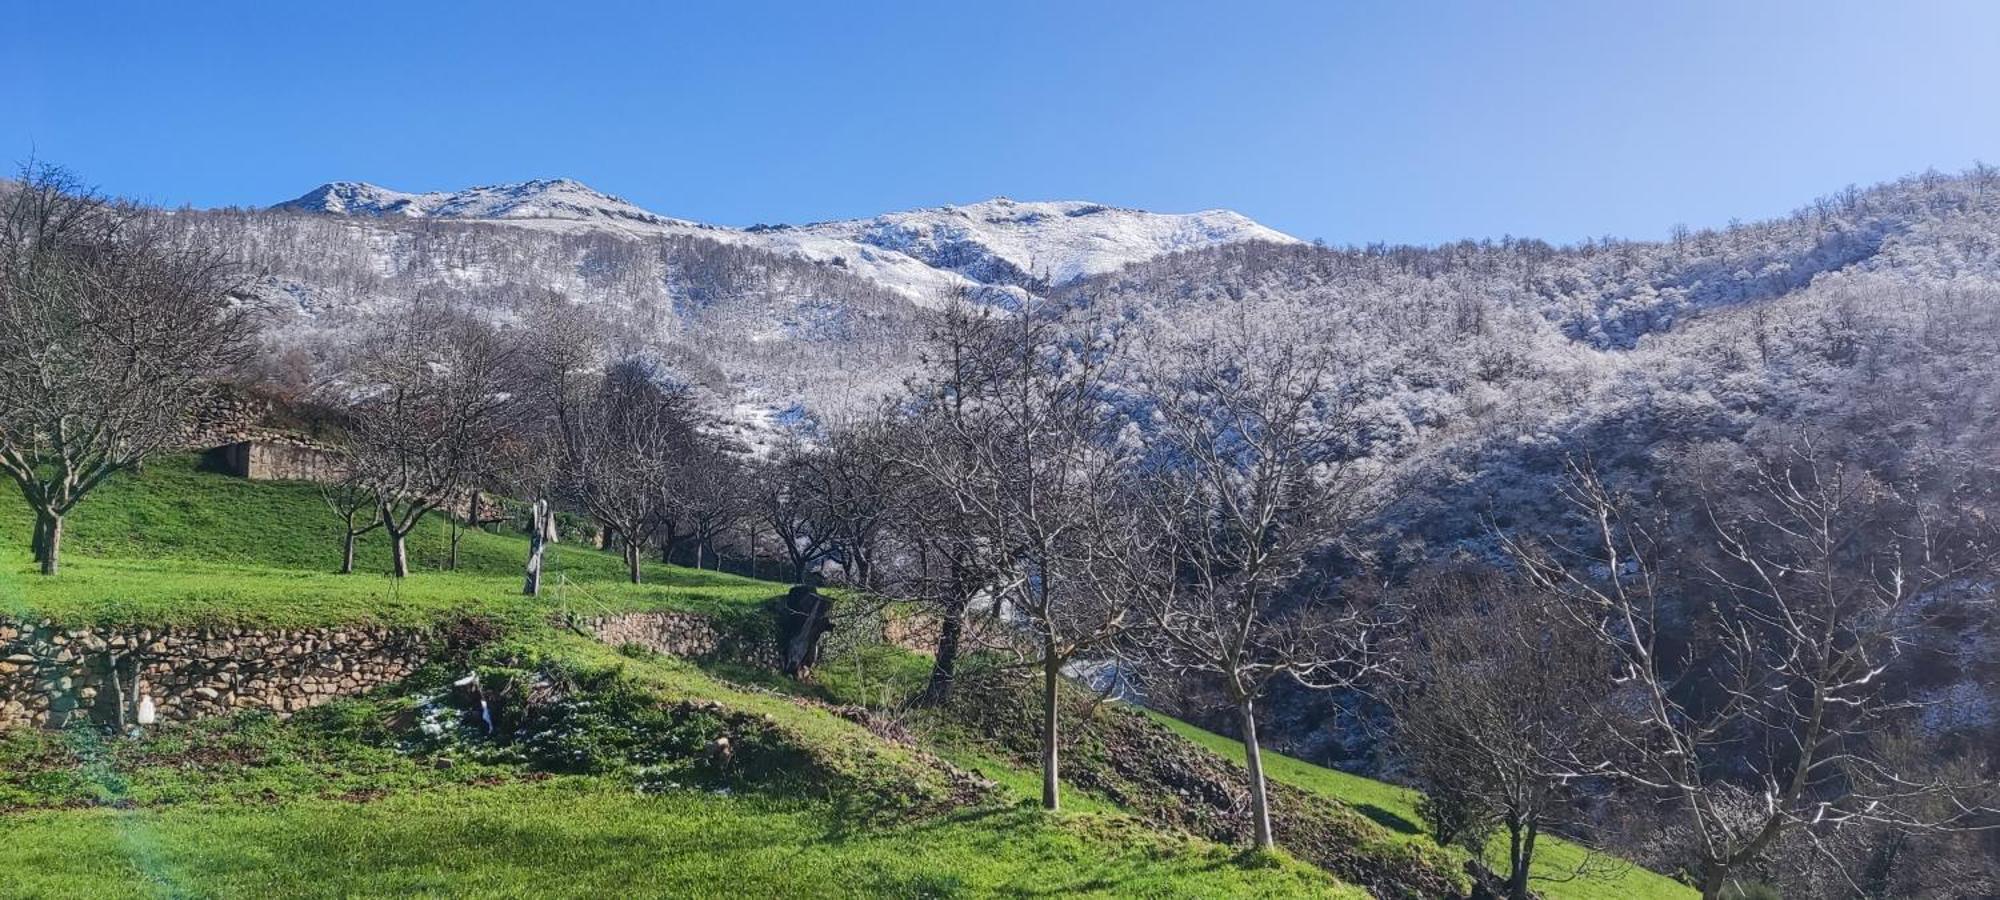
(51,676)
(274,457)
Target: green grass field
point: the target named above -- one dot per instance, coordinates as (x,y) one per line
(1557,862)
(253,807)
(249,806)
(586,837)
(178,546)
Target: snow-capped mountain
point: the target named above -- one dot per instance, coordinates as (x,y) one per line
(997,244)
(1002,240)
(557,198)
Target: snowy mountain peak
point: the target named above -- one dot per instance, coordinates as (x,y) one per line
(923,253)
(549,198)
(1005,240)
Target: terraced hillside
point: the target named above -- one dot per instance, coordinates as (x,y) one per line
(563,766)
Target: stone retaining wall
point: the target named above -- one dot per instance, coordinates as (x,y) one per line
(686,635)
(52,676)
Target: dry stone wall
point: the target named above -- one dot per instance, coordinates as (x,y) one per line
(687,635)
(51,676)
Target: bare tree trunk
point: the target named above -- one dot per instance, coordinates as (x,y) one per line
(538,532)
(634,561)
(347,554)
(40,541)
(400,552)
(944,666)
(118,690)
(52,532)
(1521,852)
(1051,729)
(1713,880)
(1253,760)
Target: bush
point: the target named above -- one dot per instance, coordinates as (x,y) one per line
(1456,819)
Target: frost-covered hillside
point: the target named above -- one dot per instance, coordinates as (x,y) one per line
(1463,344)
(998,244)
(1002,241)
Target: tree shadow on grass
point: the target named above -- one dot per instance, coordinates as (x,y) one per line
(1387,819)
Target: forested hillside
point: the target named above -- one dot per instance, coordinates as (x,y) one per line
(1683,550)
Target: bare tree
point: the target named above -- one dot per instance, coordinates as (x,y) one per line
(958,562)
(856,481)
(352,500)
(111,325)
(1757,727)
(1032,460)
(430,398)
(1493,686)
(790,502)
(620,443)
(1256,466)
(560,355)
(712,499)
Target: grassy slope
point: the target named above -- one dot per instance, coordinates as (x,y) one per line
(177,545)
(582,837)
(1554,858)
(248,807)
(885,676)
(287,810)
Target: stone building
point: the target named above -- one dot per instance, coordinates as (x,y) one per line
(263,455)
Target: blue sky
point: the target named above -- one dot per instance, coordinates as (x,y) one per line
(1353,122)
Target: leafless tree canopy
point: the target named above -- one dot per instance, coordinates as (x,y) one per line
(1255,466)
(1494,687)
(429,399)
(110,327)
(1025,444)
(1755,715)
(623,444)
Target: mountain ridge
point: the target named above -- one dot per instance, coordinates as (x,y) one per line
(998,243)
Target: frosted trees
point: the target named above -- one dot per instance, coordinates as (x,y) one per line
(1750,701)
(1255,466)
(109,330)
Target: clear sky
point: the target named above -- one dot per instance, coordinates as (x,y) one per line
(1353,122)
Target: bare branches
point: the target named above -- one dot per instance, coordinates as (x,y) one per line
(111,327)
(1020,444)
(429,399)
(1768,669)
(1255,466)
(623,439)
(1494,686)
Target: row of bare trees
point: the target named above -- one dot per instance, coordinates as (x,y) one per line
(1043,498)
(1182,514)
